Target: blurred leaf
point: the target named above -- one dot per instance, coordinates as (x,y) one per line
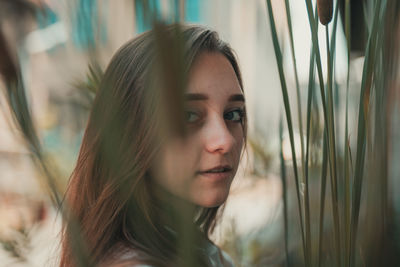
(171,64)
(15,93)
(361,134)
(90,85)
(8,66)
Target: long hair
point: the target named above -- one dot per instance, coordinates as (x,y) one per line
(110,193)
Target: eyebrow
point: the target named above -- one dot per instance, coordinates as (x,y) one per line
(198,97)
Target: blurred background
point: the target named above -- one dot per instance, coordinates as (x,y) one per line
(53,42)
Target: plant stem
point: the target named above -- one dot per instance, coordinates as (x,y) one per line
(284,191)
(322,200)
(332,151)
(366,84)
(296,76)
(347,178)
(282,78)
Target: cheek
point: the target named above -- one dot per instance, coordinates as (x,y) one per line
(177,166)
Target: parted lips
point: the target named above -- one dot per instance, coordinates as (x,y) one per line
(325,9)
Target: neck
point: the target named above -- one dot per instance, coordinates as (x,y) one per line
(176,211)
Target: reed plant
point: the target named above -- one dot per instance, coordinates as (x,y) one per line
(359,218)
(354,184)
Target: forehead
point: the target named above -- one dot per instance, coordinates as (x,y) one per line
(212,73)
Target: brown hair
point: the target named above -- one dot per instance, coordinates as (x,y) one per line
(110,194)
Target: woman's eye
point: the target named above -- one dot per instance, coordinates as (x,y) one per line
(235,115)
(191,116)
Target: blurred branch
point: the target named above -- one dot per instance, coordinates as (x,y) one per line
(15,92)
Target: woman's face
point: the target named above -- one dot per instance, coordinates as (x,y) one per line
(200,167)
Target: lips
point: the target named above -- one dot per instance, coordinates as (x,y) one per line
(221,168)
(218,172)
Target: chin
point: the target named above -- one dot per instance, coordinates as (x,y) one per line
(212,201)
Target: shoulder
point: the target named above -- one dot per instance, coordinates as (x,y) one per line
(127,264)
(226,259)
(121,256)
(218,257)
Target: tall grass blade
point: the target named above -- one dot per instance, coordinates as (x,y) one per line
(314,37)
(300,119)
(296,77)
(366,85)
(347,205)
(332,150)
(336,129)
(333,38)
(282,78)
(309,101)
(347,177)
(331,57)
(284,192)
(311,80)
(324,171)
(326,110)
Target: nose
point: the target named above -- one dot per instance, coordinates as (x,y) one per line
(217,136)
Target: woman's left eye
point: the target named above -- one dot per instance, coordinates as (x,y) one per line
(192,117)
(235,115)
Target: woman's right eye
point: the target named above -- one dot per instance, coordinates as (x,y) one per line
(192,117)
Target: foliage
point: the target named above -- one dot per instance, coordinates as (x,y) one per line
(348,188)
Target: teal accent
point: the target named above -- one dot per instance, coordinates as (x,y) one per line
(85,23)
(82,34)
(176,10)
(46,17)
(143,23)
(192,11)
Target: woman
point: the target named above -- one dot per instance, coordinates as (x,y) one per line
(151,175)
